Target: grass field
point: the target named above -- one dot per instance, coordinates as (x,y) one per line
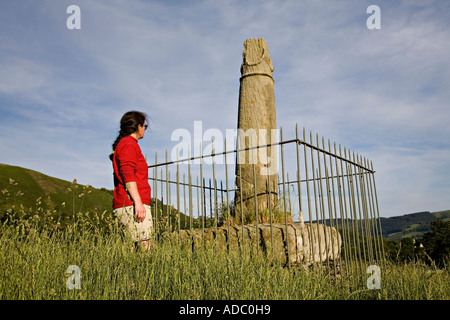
(35,261)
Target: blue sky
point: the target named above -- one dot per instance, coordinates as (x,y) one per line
(382,93)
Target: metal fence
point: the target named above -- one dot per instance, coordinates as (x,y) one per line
(318,183)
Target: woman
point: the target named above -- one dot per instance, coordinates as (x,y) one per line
(131,202)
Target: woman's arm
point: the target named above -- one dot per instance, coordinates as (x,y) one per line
(139,209)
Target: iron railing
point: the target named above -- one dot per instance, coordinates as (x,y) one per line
(332,186)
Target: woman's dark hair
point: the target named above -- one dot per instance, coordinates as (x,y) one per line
(128,125)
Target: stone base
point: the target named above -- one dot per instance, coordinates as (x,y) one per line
(326,241)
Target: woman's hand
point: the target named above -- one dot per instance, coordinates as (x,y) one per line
(140,212)
(139,209)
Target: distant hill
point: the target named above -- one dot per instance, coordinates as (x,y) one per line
(412,225)
(20,186)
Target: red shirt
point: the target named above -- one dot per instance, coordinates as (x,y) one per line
(129,165)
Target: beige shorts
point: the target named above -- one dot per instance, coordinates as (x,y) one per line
(138,231)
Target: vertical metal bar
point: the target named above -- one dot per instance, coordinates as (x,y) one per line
(341,212)
(184,200)
(361,196)
(198,202)
(204,201)
(170,205)
(354,220)
(241,198)
(378,214)
(221,203)
(215,188)
(269,201)
(162,197)
(372,214)
(362,234)
(284,201)
(178,198)
(228,202)
(370,220)
(311,236)
(322,204)
(342,218)
(322,215)
(330,208)
(210,200)
(289,193)
(334,209)
(365,211)
(330,218)
(216,204)
(167,191)
(156,196)
(256,208)
(202,181)
(299,189)
(190,188)
(345,200)
(315,199)
(279,190)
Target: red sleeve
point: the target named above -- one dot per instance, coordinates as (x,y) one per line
(127,162)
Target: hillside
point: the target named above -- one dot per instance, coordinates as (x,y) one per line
(20,186)
(412,225)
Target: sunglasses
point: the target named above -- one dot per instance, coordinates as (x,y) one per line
(146,126)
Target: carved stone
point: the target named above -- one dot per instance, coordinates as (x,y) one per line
(256,127)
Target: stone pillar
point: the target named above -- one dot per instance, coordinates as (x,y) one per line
(256,124)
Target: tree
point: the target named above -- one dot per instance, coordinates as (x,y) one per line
(437,242)
(407,249)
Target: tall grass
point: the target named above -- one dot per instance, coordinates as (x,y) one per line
(34,263)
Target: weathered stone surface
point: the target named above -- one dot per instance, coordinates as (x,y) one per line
(256,126)
(326,241)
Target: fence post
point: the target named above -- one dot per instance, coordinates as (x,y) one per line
(311,235)
(256,208)
(228,202)
(284,202)
(202,192)
(321,203)
(178,198)
(269,201)
(156,196)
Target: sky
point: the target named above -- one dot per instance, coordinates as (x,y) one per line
(383,93)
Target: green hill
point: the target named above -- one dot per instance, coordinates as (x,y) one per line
(25,190)
(413,225)
(31,189)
